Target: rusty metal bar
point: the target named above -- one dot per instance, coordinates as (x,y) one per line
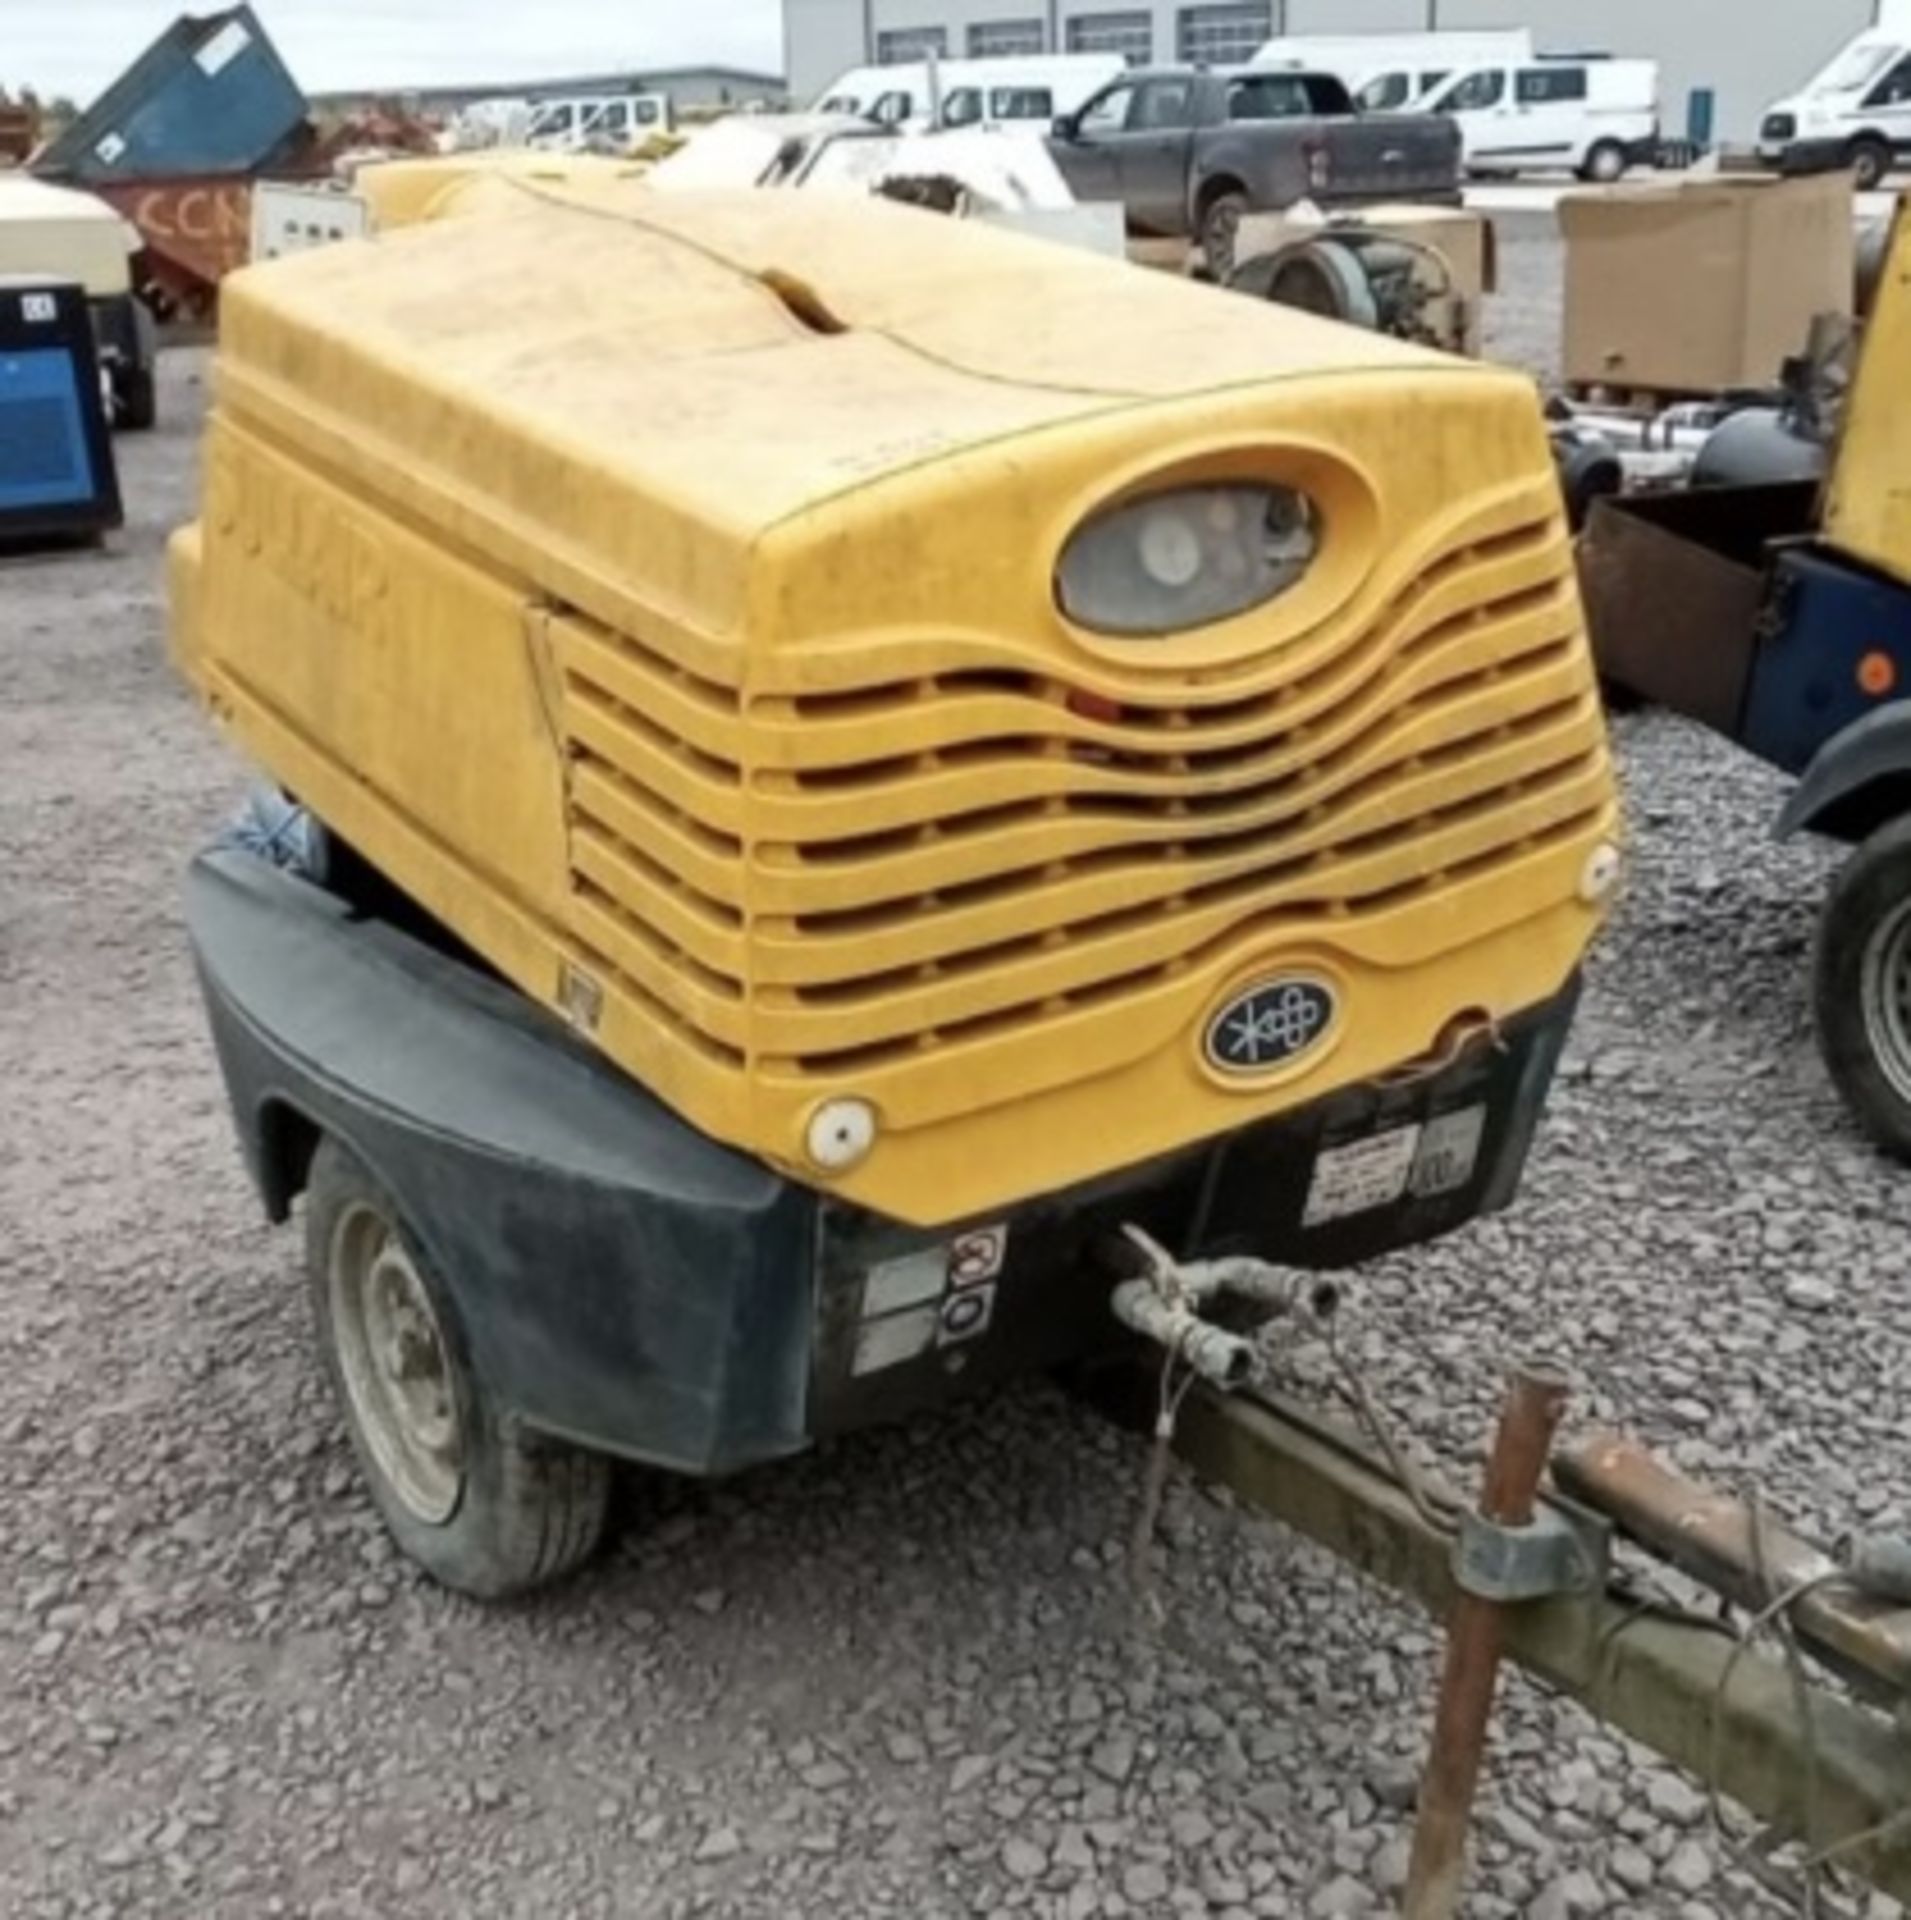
(1535,1402)
(1708,1535)
(1655,1678)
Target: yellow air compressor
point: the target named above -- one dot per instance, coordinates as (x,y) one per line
(855,756)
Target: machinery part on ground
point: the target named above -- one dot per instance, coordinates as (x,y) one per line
(1789,439)
(1322,276)
(485,1506)
(1758,446)
(1862,986)
(1389,285)
(1602,451)
(1590,469)
(1678,430)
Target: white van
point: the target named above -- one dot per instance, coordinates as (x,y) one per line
(597,123)
(1393,72)
(1862,102)
(1037,89)
(1591,114)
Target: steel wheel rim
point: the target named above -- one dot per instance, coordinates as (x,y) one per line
(1885,989)
(396,1364)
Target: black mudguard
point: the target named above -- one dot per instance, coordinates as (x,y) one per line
(622,1279)
(1857,780)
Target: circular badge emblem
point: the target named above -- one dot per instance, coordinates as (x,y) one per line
(1270,1026)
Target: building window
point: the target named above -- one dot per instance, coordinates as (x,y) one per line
(903,46)
(1006,39)
(1224,36)
(1132,35)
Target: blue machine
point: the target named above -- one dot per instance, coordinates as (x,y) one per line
(1834,646)
(57,478)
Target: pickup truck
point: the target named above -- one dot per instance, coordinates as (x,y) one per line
(1188,151)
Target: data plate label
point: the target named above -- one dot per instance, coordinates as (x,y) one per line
(1449,1151)
(1361,1176)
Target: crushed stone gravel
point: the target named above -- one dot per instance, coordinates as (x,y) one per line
(896,1677)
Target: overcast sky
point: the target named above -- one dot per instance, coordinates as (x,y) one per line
(78,46)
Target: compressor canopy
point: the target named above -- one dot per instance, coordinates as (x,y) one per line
(951,715)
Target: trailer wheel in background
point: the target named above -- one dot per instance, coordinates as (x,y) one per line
(1870,160)
(136,399)
(1862,987)
(1605,163)
(1221,233)
(482,1505)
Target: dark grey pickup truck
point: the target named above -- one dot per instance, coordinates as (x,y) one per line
(1188,151)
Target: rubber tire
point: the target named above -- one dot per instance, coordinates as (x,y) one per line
(1605,164)
(1875,881)
(532,1509)
(1221,221)
(136,398)
(1871,160)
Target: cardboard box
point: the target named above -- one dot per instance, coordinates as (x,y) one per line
(1702,285)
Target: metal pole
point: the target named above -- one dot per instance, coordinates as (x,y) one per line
(1530,1416)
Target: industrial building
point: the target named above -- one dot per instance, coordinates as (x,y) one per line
(1744,52)
(689,88)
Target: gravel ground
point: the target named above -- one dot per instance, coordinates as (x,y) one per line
(893,1678)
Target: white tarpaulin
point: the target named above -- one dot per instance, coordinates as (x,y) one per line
(1006,170)
(740,150)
